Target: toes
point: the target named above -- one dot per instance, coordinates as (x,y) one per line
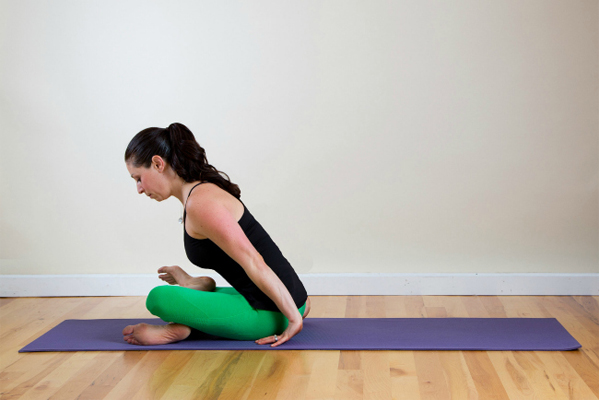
(132,341)
(128,330)
(168,278)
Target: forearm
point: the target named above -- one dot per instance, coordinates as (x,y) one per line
(270,284)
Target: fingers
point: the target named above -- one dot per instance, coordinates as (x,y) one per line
(274,340)
(277,340)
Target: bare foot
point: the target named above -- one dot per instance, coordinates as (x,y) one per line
(307,308)
(148,335)
(174,275)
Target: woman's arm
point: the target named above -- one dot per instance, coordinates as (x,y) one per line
(212,219)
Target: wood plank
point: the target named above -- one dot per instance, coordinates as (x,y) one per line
(350,360)
(270,376)
(356,307)
(327,307)
(57,379)
(564,375)
(5,301)
(415,307)
(350,385)
(585,319)
(38,369)
(166,372)
(512,375)
(585,368)
(323,377)
(544,385)
(83,378)
(430,373)
(517,307)
(403,375)
(374,307)
(458,378)
(394,306)
(452,307)
(109,377)
(487,382)
(294,383)
(140,378)
(474,307)
(580,328)
(376,375)
(590,305)
(494,306)
(436,312)
(245,374)
(203,376)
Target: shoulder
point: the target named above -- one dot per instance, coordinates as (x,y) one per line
(209,206)
(204,200)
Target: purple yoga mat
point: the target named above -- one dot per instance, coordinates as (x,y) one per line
(335,334)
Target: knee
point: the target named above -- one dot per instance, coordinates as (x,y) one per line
(157,300)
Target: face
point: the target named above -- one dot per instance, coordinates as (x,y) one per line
(150,181)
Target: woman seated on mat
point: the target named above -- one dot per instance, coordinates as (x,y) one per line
(266,303)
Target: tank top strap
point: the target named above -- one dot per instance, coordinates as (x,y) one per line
(188,196)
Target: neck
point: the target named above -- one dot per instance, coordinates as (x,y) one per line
(184,190)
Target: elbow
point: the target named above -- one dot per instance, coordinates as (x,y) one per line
(258,263)
(256,266)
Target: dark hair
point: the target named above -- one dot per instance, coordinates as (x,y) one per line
(178,147)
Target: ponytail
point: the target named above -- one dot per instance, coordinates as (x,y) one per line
(178,147)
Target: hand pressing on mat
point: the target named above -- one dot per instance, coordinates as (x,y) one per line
(293,328)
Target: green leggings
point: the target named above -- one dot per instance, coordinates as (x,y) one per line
(224,312)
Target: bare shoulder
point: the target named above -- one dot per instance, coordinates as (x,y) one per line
(208,205)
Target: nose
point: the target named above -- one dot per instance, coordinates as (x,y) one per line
(140,189)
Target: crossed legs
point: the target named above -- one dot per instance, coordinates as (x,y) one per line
(145,334)
(207,312)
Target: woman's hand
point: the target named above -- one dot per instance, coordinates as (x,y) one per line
(292,329)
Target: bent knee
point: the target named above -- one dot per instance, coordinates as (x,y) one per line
(157,300)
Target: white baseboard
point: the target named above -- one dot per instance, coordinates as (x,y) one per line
(321,284)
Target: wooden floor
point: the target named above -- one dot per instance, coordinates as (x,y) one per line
(303,374)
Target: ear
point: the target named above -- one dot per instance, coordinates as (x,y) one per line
(158,163)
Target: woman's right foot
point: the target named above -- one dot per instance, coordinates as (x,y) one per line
(174,275)
(148,335)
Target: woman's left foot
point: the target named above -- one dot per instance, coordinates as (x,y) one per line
(175,275)
(148,335)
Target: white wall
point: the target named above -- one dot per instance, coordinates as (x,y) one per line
(367,136)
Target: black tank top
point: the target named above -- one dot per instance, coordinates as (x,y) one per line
(206,254)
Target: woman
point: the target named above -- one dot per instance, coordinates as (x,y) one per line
(266,303)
